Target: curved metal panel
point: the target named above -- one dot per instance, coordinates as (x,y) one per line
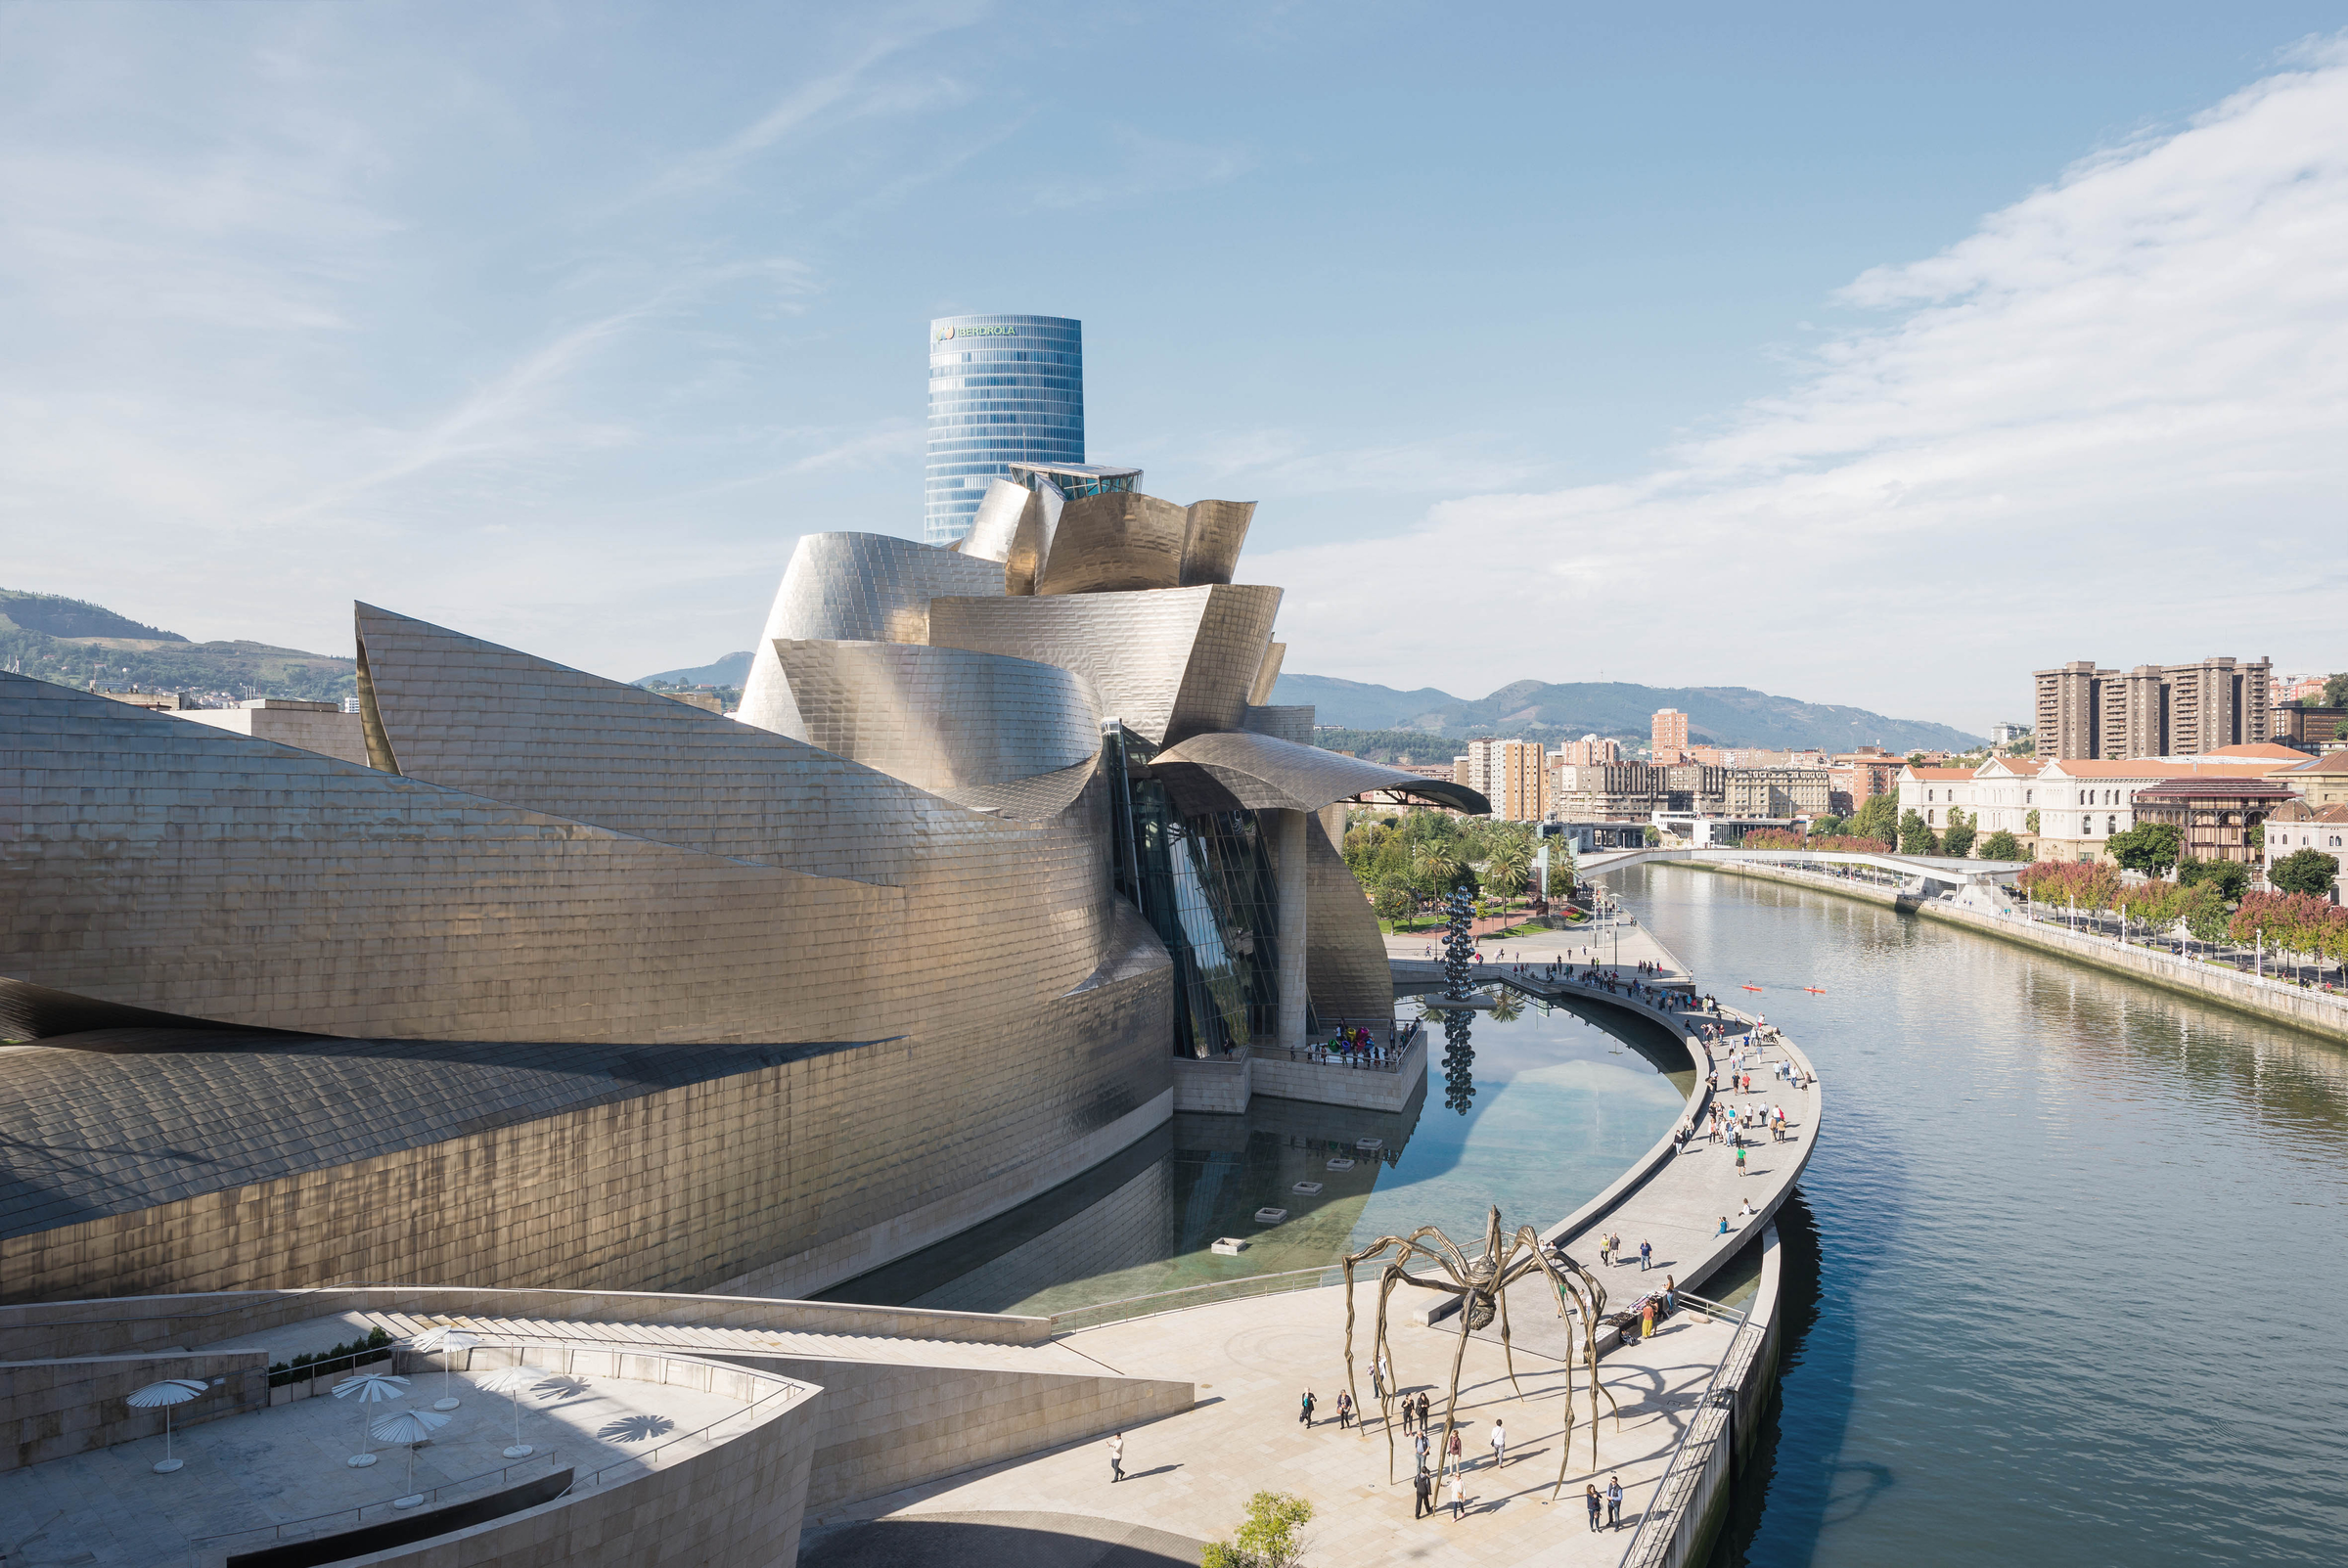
(1115,542)
(1295,723)
(1267,673)
(1214,532)
(868,586)
(1346,972)
(1170,664)
(1031,540)
(1263,772)
(1039,798)
(943,719)
(996,523)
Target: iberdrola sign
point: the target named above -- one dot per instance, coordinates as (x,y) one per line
(945,333)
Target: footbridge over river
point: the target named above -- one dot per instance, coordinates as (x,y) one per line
(1928,875)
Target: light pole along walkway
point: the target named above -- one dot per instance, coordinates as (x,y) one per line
(1252,1358)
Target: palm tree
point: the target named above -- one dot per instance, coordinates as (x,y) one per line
(1509,867)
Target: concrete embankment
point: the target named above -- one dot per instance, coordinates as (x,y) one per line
(2311,1011)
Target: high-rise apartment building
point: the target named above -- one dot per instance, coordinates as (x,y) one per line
(1513,775)
(2084,710)
(1589,751)
(1003,389)
(1668,736)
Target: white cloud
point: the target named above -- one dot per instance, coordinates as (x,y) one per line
(2109,423)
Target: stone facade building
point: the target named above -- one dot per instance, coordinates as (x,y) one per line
(1667,737)
(1777,792)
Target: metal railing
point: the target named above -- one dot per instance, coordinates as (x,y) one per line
(384,1508)
(1175,1300)
(649,1459)
(1658,1521)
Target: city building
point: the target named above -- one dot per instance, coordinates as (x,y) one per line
(2298,825)
(2083,710)
(2216,818)
(2298,689)
(1626,791)
(1003,389)
(1854,778)
(1513,775)
(2308,724)
(320,727)
(2323,781)
(159,702)
(1667,732)
(951,915)
(2081,802)
(1587,752)
(1777,792)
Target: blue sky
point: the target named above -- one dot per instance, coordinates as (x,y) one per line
(1853,354)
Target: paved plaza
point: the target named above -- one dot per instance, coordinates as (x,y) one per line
(1252,1360)
(108,1507)
(1192,1473)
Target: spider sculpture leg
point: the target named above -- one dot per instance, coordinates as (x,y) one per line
(1500,1297)
(1459,1358)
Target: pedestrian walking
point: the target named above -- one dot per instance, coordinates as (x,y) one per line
(1647,1253)
(1614,1503)
(1377,1381)
(1410,1416)
(1344,1409)
(1458,1496)
(1740,1159)
(1646,1319)
(1116,1458)
(1419,1445)
(1591,1493)
(1500,1444)
(1451,1450)
(1306,1414)
(1423,1415)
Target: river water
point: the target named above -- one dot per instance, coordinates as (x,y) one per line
(2068,1270)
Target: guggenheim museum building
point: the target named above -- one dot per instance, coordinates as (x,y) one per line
(576,986)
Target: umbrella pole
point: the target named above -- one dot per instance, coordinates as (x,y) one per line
(167,1434)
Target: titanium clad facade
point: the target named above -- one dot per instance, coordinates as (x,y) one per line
(857,587)
(1003,389)
(943,719)
(1170,663)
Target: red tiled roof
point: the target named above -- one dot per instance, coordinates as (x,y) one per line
(1940,773)
(2154,768)
(2258,748)
(2301,811)
(2330,762)
(2209,786)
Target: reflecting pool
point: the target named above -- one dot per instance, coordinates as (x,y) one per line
(1564,1100)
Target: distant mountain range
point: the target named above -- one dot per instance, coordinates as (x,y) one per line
(732,670)
(1717,715)
(74,643)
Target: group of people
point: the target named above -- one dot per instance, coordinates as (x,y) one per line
(1353,1046)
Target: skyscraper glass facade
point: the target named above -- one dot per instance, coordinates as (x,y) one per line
(1003,389)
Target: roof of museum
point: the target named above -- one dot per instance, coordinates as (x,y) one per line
(2216,788)
(116,1120)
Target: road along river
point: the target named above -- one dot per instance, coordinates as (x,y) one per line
(2066,1285)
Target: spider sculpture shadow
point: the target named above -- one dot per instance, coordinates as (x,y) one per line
(1482,1283)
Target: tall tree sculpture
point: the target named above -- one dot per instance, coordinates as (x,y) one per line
(1482,1283)
(1459,1056)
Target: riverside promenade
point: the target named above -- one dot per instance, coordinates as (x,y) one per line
(1190,1475)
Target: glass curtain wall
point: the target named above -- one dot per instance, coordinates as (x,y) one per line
(1206,885)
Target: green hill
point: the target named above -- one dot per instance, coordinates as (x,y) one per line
(1717,715)
(74,643)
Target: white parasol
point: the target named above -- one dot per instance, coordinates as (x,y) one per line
(167,1393)
(369,1388)
(447,1340)
(410,1428)
(511,1382)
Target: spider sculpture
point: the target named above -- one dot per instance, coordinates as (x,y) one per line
(1482,1283)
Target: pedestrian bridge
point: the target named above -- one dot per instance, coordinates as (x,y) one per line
(1933,874)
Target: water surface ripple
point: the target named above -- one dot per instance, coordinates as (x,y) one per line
(2067,1275)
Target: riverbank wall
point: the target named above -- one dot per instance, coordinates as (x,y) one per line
(2271,999)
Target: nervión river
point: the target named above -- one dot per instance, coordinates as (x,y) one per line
(2069,1272)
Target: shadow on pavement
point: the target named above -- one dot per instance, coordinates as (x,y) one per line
(997,1541)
